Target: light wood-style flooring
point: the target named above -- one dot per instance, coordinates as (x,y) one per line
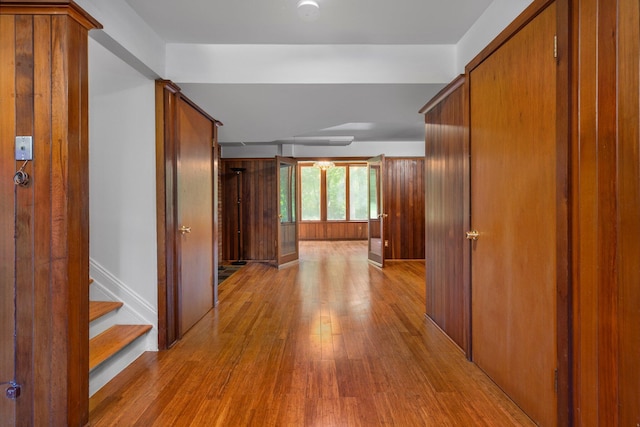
(329,341)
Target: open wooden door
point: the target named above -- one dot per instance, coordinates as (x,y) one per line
(514,210)
(377,216)
(286,171)
(195,215)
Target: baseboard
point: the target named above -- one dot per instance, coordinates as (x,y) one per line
(110,288)
(106,287)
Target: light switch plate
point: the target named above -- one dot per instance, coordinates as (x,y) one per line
(24,148)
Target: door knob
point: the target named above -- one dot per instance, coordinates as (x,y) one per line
(184,230)
(473,235)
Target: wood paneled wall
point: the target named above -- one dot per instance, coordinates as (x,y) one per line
(44,244)
(404,192)
(259,209)
(333,230)
(606,205)
(628,178)
(447,213)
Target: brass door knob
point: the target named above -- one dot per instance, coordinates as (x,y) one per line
(184,230)
(473,235)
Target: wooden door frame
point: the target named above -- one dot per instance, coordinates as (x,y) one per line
(168,94)
(563,196)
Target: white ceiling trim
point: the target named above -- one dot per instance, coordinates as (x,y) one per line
(311,64)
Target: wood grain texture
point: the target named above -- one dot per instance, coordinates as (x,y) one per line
(404,187)
(447,215)
(97,309)
(628,179)
(334,230)
(195,211)
(259,209)
(331,340)
(514,207)
(111,341)
(7,213)
(47,60)
(166,94)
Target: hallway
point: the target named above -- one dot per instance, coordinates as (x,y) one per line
(328,341)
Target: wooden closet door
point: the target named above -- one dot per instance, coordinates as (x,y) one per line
(195,215)
(513,208)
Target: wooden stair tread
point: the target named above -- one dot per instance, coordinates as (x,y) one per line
(114,339)
(98,309)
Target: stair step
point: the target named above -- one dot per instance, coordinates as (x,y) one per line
(98,309)
(111,341)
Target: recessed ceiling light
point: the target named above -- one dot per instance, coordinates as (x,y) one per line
(308,10)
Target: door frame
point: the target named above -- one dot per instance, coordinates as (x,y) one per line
(168,94)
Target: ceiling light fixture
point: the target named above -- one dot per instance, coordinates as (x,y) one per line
(308,10)
(324,165)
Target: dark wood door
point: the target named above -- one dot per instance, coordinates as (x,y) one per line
(195,215)
(375,173)
(513,208)
(286,171)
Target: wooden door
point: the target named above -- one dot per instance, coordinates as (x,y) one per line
(513,208)
(286,179)
(377,216)
(195,215)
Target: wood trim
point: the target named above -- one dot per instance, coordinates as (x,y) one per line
(608,328)
(564,216)
(34,7)
(443,94)
(168,328)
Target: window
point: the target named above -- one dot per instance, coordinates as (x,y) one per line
(358,193)
(310,193)
(336,194)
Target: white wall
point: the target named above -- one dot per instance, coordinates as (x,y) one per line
(495,18)
(355,149)
(122,173)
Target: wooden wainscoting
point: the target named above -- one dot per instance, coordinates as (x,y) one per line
(333,230)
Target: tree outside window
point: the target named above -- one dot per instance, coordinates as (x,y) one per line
(338,194)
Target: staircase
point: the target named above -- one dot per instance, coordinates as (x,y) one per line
(106,344)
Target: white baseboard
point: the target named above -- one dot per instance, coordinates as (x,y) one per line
(106,287)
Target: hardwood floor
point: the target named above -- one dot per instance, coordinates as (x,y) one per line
(331,341)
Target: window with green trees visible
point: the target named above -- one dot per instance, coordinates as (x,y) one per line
(338,194)
(310,193)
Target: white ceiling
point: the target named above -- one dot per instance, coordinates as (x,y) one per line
(339,21)
(266,112)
